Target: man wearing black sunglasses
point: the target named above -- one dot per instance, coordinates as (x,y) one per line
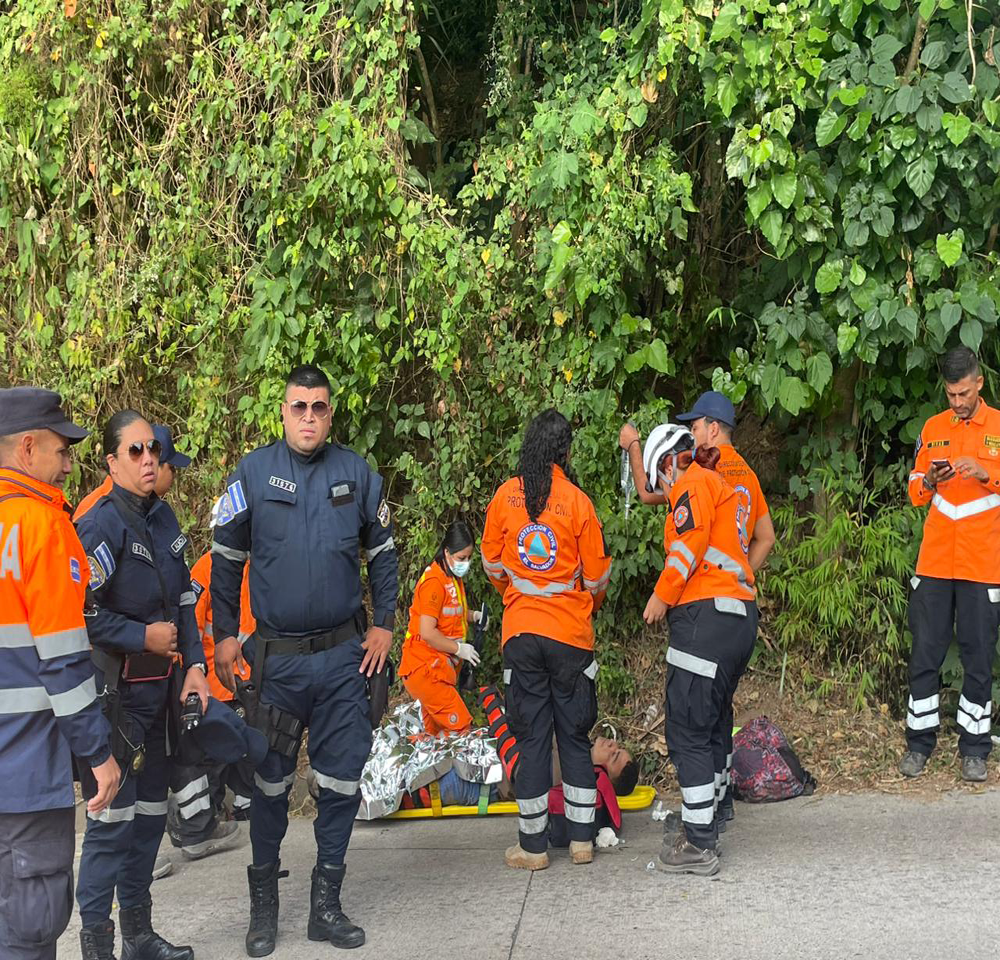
(304,510)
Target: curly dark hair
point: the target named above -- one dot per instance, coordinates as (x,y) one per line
(546,443)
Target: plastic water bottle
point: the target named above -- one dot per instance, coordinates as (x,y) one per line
(628,484)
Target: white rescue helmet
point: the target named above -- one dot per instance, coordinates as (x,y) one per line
(664,440)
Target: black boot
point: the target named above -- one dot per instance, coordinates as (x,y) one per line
(139,942)
(263,929)
(326,920)
(98,943)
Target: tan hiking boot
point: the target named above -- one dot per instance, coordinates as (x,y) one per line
(523,860)
(581,851)
(684,857)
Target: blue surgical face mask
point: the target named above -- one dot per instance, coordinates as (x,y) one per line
(460,567)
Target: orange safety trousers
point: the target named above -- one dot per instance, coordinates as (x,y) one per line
(435,685)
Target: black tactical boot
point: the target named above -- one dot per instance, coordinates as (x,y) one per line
(98,943)
(326,919)
(263,929)
(139,942)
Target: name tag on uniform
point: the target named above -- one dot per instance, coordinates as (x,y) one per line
(177,547)
(342,493)
(139,550)
(282,484)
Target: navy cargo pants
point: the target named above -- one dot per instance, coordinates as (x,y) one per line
(327,693)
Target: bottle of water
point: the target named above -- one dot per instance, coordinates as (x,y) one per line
(628,484)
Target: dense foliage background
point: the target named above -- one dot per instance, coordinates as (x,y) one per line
(469,210)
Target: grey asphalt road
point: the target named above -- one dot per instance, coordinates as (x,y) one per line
(872,876)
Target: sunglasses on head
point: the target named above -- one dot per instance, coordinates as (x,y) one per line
(134,450)
(320,409)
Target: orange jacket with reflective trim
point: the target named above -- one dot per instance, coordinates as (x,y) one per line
(552,572)
(962,530)
(737,473)
(442,597)
(201,575)
(91,498)
(704,542)
(48,699)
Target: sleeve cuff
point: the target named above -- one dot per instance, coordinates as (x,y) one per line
(98,758)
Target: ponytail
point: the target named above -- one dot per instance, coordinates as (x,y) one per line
(706,457)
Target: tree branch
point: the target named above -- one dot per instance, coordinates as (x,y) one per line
(918,40)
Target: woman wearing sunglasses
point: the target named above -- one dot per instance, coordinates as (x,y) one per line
(142,618)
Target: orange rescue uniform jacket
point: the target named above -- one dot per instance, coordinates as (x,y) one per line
(91,498)
(962,530)
(552,572)
(705,542)
(737,473)
(442,597)
(201,576)
(48,698)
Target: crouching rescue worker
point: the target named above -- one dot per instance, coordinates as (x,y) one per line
(956,590)
(144,617)
(543,549)
(48,704)
(707,588)
(302,510)
(437,637)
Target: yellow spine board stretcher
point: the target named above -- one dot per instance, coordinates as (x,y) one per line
(638,799)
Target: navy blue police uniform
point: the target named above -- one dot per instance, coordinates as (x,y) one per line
(138,576)
(304,521)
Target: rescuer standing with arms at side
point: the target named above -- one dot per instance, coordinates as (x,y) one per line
(302,510)
(956,590)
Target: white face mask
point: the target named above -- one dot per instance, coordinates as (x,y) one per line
(460,567)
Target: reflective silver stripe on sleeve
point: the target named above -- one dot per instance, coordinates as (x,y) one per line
(151,808)
(680,566)
(915,475)
(114,815)
(535,824)
(533,805)
(375,551)
(700,815)
(346,787)
(922,723)
(596,586)
(699,794)
(238,556)
(16,635)
(452,611)
(494,569)
(188,599)
(579,795)
(209,630)
(270,789)
(679,546)
(72,701)
(62,643)
(691,663)
(960,511)
(191,790)
(730,605)
(925,704)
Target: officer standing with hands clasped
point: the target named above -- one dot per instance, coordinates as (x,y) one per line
(144,616)
(48,704)
(302,510)
(956,590)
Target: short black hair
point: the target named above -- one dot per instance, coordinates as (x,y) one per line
(113,429)
(307,375)
(959,363)
(626,781)
(727,430)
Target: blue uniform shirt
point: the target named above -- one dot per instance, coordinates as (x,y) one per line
(303,521)
(124,578)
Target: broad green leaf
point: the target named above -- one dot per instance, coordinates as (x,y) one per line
(858,274)
(957,127)
(951,315)
(882,74)
(770,225)
(949,246)
(829,126)
(784,187)
(850,10)
(829,275)
(955,88)
(658,357)
(819,371)
(770,383)
(851,96)
(562,233)
(907,319)
(563,168)
(726,22)
(610,35)
(971,333)
(886,47)
(920,173)
(883,221)
(856,234)
(927,8)
(847,335)
(793,395)
(934,54)
(758,197)
(638,112)
(860,126)
(585,119)
(908,99)
(726,93)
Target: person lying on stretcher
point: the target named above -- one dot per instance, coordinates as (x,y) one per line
(617,776)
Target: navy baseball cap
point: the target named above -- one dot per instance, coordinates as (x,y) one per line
(168,452)
(711,404)
(32,408)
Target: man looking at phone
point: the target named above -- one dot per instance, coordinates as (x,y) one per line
(956,590)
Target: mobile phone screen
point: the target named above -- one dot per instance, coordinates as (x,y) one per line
(941,464)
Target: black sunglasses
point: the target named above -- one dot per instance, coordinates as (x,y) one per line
(134,450)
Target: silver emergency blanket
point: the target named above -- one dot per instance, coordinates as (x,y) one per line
(405,758)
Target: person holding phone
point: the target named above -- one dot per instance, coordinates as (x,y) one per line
(141,618)
(956,589)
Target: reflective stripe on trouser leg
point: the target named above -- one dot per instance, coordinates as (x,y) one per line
(580,803)
(931,615)
(532,815)
(269,806)
(977,619)
(104,846)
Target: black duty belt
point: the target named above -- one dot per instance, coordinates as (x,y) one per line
(284,645)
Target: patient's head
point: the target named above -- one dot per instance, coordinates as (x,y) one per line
(622,769)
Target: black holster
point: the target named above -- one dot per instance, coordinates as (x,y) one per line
(379,685)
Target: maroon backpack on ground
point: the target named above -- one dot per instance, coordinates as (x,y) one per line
(765,767)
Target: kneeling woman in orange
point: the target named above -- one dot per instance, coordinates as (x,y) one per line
(706,592)
(436,636)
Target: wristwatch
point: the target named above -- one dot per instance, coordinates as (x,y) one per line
(201,666)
